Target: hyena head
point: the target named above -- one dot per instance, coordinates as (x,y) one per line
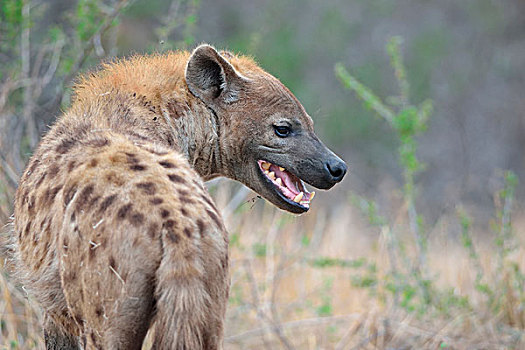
(267,139)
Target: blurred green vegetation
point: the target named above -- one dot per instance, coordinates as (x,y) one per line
(453,50)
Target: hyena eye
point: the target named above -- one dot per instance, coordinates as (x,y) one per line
(282,130)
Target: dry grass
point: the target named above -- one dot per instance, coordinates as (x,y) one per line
(284,296)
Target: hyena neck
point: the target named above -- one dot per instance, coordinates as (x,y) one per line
(147,99)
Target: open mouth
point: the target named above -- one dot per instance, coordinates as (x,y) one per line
(289,186)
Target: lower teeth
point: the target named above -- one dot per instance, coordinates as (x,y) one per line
(298,198)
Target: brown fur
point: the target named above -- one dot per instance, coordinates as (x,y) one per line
(114,231)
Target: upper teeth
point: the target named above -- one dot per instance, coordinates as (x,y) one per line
(299,198)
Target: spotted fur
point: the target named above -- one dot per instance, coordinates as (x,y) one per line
(114,232)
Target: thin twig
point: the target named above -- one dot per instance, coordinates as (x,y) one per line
(275,327)
(8,170)
(25,57)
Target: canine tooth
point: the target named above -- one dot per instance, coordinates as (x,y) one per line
(271,175)
(281,168)
(312,195)
(279,181)
(265,165)
(298,198)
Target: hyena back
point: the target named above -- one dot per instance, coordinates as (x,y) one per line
(114,232)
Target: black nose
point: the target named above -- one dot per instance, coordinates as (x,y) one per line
(337,169)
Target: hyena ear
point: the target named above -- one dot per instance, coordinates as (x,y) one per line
(210,76)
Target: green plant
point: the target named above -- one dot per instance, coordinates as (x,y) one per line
(408,121)
(410,284)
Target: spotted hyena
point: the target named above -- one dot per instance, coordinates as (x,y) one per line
(114,232)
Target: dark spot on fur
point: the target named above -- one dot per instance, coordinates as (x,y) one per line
(106,203)
(53,171)
(164,213)
(65,146)
(167,165)
(40,261)
(42,223)
(41,179)
(123,211)
(202,226)
(169,223)
(94,201)
(138,136)
(132,157)
(84,196)
(183,192)
(187,232)
(78,319)
(170,231)
(184,211)
(136,219)
(156,200)
(71,165)
(176,178)
(99,312)
(69,193)
(94,340)
(137,167)
(187,200)
(153,229)
(50,194)
(147,187)
(112,262)
(214,217)
(93,163)
(28,227)
(99,142)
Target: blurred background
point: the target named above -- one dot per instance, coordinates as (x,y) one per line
(376,263)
